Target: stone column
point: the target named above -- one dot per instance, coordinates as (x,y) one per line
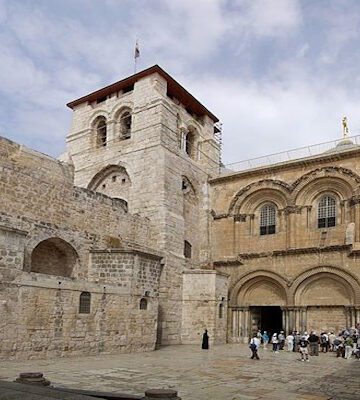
(246,323)
(348,316)
(301,322)
(233,324)
(284,318)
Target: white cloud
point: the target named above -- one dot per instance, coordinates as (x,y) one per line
(265,119)
(271,18)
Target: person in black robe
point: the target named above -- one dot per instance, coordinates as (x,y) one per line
(205,340)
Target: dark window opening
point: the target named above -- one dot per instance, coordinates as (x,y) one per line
(84,303)
(221,310)
(100,127)
(267,230)
(113,178)
(125,125)
(143,304)
(123,180)
(187,249)
(103,186)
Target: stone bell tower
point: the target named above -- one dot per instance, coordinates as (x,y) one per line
(148,142)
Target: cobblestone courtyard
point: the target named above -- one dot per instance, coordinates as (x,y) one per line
(223,372)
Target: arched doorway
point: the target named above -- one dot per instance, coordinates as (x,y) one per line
(328,299)
(257,303)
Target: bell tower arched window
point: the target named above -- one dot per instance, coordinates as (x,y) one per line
(267,219)
(100,128)
(125,125)
(326,212)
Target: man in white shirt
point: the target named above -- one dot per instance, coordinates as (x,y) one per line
(290,342)
(254,347)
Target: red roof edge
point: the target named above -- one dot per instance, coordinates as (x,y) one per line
(174,89)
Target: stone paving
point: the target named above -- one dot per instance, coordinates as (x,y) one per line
(223,372)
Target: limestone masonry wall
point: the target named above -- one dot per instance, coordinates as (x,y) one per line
(58,242)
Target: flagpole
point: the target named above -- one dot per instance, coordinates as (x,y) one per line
(136,54)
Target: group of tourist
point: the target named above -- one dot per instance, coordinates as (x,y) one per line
(345,344)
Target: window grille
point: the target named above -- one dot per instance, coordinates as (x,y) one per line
(84,303)
(267,219)
(143,304)
(326,212)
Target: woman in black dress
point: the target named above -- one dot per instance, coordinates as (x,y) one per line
(205,341)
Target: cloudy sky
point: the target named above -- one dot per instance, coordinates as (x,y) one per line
(278,73)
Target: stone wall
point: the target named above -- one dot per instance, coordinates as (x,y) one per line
(204,306)
(58,241)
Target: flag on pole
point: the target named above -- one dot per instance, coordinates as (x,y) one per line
(137,50)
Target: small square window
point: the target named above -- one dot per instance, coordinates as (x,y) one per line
(123,180)
(113,178)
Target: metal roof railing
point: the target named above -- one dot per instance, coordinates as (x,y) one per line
(335,146)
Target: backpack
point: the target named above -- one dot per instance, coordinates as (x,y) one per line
(252,346)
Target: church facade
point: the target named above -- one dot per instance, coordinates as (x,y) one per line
(136,237)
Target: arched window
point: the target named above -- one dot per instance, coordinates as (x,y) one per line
(100,128)
(190,144)
(125,125)
(267,219)
(143,304)
(84,303)
(326,212)
(187,249)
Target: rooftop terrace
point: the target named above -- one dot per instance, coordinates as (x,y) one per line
(301,153)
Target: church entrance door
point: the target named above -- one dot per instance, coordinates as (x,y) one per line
(266,318)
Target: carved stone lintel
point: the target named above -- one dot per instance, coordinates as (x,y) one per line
(240,217)
(292,210)
(354,201)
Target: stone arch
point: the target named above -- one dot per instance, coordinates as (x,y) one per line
(246,290)
(54,256)
(337,279)
(114,181)
(188,188)
(339,180)
(277,191)
(119,109)
(97,114)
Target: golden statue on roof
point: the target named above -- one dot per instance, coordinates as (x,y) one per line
(345,127)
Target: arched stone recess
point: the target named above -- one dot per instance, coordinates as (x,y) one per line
(260,288)
(54,242)
(325,286)
(51,256)
(54,256)
(113,181)
(341,181)
(188,188)
(251,196)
